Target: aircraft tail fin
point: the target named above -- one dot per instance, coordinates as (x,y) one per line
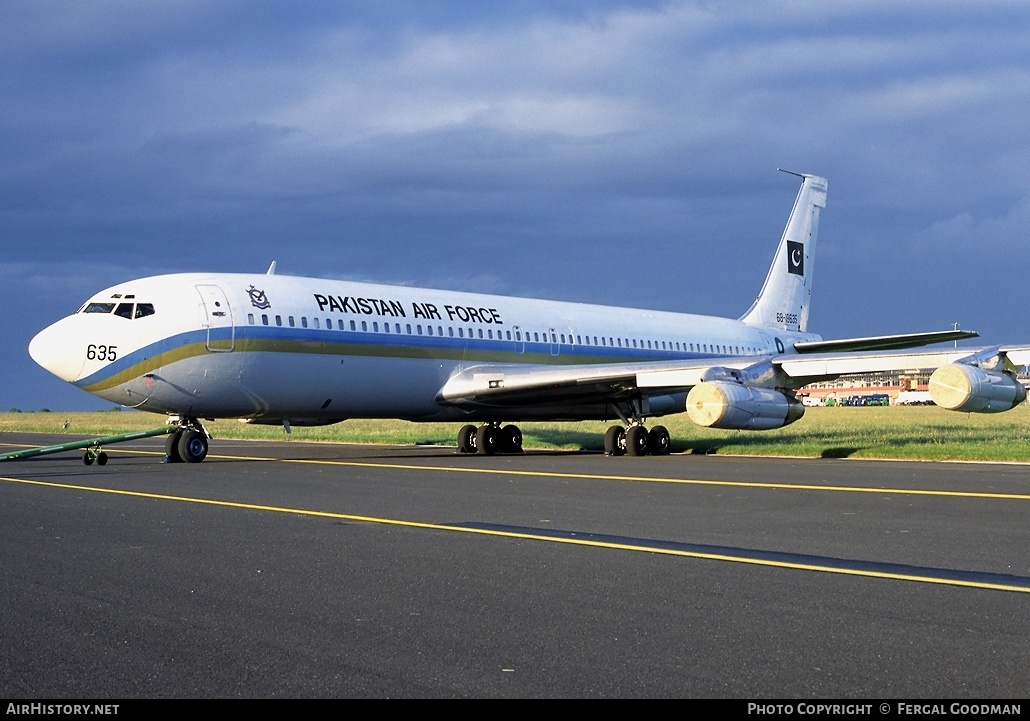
(785,298)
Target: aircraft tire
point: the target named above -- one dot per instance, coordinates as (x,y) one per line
(172,448)
(659,441)
(511,439)
(193,447)
(636,441)
(467,439)
(87,458)
(615,441)
(101,459)
(487,440)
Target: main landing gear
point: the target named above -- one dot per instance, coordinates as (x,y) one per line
(637,441)
(187,444)
(490,438)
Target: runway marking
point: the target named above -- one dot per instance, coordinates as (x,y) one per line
(659,479)
(848,568)
(608,477)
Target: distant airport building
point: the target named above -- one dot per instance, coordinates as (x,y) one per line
(882,388)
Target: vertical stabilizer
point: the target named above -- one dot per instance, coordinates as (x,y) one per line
(787,292)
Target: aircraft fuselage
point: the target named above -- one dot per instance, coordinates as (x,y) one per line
(312,350)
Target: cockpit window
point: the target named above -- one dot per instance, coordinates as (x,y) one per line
(124,310)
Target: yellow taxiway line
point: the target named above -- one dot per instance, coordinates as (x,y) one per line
(568,540)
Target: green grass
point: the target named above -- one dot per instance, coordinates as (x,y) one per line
(926,432)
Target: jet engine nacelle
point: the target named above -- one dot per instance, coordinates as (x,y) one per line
(961,387)
(735,406)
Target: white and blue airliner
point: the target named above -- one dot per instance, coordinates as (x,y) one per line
(303,351)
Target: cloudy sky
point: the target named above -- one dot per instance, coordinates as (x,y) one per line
(605,151)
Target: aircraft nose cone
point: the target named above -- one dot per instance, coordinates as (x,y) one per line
(52,349)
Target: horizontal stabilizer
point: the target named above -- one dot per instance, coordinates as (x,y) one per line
(883,342)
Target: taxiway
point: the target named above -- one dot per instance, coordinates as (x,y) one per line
(294,569)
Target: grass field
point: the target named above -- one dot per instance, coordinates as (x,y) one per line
(923,432)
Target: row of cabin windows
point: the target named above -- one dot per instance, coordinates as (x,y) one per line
(519,335)
(664,345)
(376,327)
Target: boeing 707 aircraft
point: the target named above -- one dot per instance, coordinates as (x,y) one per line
(304,351)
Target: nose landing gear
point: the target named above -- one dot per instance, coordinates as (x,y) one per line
(187,444)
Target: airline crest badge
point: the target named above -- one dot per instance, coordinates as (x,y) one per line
(258,299)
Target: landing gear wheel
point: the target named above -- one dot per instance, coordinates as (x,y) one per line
(659,441)
(467,439)
(172,448)
(636,441)
(615,441)
(101,459)
(87,458)
(488,439)
(511,439)
(192,447)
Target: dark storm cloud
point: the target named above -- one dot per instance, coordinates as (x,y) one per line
(626,150)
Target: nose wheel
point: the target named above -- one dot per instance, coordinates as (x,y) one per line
(188,444)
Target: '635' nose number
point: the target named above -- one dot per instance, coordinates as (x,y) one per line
(101,352)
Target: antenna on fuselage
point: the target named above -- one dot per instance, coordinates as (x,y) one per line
(271,269)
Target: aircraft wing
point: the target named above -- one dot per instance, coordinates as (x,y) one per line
(514,385)
(883,342)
